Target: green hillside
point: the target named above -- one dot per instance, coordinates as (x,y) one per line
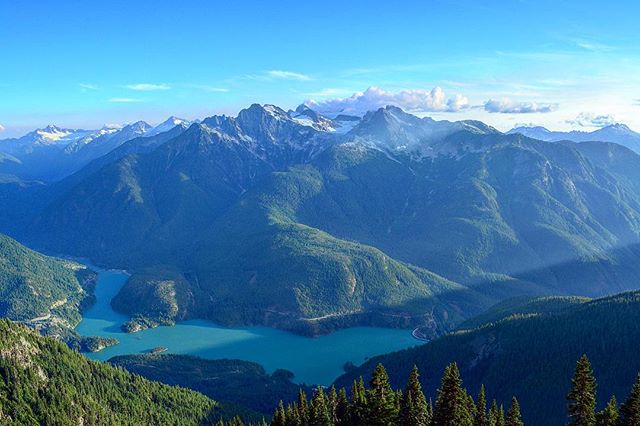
(46,293)
(234,381)
(42,382)
(532,355)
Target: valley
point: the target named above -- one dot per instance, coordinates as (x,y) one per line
(312,361)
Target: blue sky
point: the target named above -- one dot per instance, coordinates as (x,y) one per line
(569,64)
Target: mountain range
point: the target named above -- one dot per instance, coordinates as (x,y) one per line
(310,223)
(52,153)
(616,133)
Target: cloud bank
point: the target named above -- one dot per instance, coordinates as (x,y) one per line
(507,106)
(375,97)
(148,87)
(586,119)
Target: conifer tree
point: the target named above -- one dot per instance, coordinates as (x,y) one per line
(630,410)
(414,410)
(342,408)
(582,396)
(492,418)
(452,403)
(318,410)
(303,407)
(471,406)
(358,407)
(279,417)
(514,418)
(481,418)
(381,399)
(501,419)
(292,416)
(332,403)
(609,415)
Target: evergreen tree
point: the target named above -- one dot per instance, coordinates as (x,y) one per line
(292,415)
(358,407)
(609,416)
(332,403)
(630,410)
(414,410)
(342,408)
(471,406)
(279,417)
(381,399)
(492,418)
(452,403)
(303,407)
(481,418)
(500,421)
(318,410)
(514,418)
(582,396)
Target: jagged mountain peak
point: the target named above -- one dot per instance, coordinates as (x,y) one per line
(142,126)
(618,127)
(257,111)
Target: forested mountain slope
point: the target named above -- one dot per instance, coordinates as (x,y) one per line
(529,347)
(44,382)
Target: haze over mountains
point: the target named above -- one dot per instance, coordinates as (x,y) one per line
(300,221)
(52,153)
(615,133)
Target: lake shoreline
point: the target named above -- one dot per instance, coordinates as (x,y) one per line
(317,360)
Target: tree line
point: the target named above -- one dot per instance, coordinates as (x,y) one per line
(380,405)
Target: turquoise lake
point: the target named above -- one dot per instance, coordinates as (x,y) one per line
(316,360)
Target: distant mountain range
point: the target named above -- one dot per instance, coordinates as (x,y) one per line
(53,153)
(616,133)
(310,223)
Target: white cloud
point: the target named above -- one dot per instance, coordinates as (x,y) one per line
(288,75)
(374,97)
(507,106)
(148,87)
(124,100)
(88,86)
(1,128)
(593,46)
(586,119)
(206,88)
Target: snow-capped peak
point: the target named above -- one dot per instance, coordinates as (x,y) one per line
(169,124)
(53,133)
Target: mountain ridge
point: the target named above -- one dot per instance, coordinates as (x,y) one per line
(420,217)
